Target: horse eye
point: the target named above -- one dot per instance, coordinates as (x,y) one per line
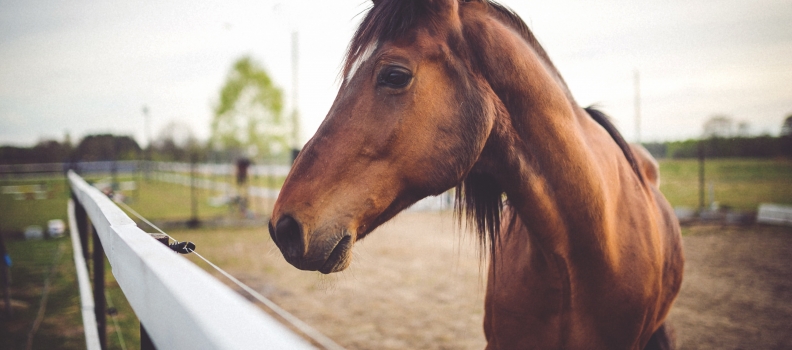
(395,77)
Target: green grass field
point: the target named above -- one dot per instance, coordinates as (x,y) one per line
(153,199)
(738,183)
(17,213)
(157,200)
(741,184)
(61,326)
(165,201)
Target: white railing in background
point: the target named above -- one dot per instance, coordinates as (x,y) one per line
(181,305)
(219,186)
(179,173)
(775,214)
(221,169)
(443,201)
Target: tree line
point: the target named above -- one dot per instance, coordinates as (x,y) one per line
(91,148)
(718,141)
(102,147)
(107,147)
(721,147)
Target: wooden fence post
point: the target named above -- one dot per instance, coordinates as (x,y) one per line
(5,277)
(82,225)
(145,340)
(193,222)
(701,156)
(99,287)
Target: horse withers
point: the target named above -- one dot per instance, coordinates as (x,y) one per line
(436,94)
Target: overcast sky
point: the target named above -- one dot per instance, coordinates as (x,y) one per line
(84,67)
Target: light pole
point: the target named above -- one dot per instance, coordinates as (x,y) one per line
(637,81)
(147,126)
(295,111)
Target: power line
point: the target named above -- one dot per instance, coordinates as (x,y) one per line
(637,82)
(114,315)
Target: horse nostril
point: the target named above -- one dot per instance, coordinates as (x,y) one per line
(272,231)
(288,236)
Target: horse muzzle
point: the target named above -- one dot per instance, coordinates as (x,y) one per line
(326,251)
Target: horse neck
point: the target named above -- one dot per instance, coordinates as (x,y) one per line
(548,172)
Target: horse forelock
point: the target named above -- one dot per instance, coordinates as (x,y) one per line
(386,20)
(361,58)
(391,19)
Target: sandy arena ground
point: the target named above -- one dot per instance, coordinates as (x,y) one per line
(417,283)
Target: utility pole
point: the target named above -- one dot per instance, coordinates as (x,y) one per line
(295,147)
(147,125)
(701,157)
(194,222)
(637,81)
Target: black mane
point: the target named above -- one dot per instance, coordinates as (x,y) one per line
(603,120)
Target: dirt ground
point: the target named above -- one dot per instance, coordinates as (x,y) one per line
(737,289)
(417,283)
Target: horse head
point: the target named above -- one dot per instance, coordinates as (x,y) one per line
(410,120)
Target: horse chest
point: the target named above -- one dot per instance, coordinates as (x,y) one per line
(542,301)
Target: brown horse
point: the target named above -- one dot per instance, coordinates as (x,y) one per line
(445,93)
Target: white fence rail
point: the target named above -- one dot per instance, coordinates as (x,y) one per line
(84,284)
(180,305)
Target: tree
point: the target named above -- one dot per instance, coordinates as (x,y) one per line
(107,147)
(175,142)
(45,151)
(786,128)
(248,117)
(718,126)
(743,129)
(786,137)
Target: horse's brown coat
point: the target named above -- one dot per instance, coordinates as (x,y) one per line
(588,255)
